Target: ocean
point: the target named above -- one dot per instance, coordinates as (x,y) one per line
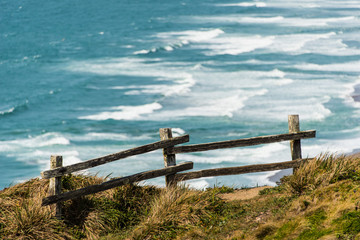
(83,79)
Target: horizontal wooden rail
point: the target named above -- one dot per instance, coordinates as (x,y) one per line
(117,182)
(113,157)
(239,170)
(242,142)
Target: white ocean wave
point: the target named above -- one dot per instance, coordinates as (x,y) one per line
(42,157)
(339,146)
(351,95)
(142,52)
(179,39)
(177,132)
(329,43)
(227,98)
(187,37)
(180,87)
(221,105)
(168,48)
(332,4)
(243,4)
(283,81)
(182,81)
(262,179)
(310,109)
(334,67)
(99,136)
(295,42)
(279,20)
(235,45)
(47,139)
(200,184)
(125,112)
(11,110)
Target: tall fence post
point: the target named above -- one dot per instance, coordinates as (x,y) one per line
(295,145)
(55,183)
(169,159)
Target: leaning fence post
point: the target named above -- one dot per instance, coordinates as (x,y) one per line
(295,145)
(169,159)
(55,183)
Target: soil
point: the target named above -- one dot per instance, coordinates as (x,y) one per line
(242,194)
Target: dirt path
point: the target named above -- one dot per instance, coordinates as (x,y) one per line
(242,194)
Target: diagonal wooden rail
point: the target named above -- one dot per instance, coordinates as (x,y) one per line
(117,182)
(239,170)
(57,172)
(242,142)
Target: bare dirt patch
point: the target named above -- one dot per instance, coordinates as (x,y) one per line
(242,194)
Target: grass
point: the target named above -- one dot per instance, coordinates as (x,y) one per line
(321,200)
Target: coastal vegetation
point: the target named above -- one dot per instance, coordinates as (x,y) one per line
(321,200)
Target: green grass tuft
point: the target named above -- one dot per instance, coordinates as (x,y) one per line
(348,224)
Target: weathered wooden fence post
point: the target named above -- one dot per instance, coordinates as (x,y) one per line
(295,145)
(169,159)
(55,183)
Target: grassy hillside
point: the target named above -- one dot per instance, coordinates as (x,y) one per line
(320,201)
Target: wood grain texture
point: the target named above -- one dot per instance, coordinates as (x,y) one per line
(239,170)
(113,157)
(295,145)
(117,182)
(169,159)
(55,183)
(242,142)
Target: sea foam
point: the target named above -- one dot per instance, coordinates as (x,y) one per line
(179,39)
(350,67)
(280,20)
(235,45)
(47,139)
(125,112)
(10,110)
(243,4)
(191,35)
(182,80)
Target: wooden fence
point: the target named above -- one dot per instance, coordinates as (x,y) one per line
(171,170)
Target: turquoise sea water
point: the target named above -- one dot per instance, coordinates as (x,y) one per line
(84,79)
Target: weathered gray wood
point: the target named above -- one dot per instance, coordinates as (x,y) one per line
(169,159)
(242,142)
(239,170)
(117,182)
(113,157)
(55,183)
(295,145)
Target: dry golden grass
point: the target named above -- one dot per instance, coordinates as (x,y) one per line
(23,217)
(175,208)
(321,200)
(324,170)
